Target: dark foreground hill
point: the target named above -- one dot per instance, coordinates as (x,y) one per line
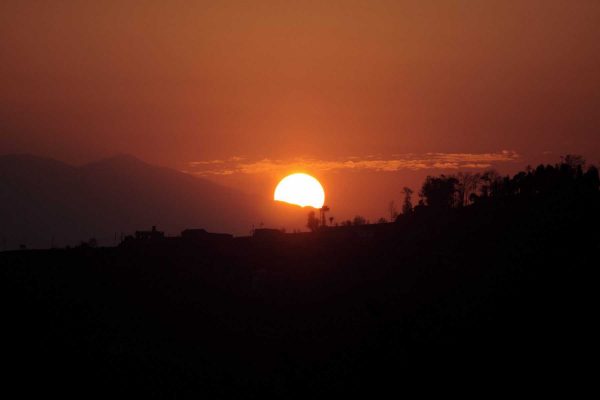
(496,292)
(45,203)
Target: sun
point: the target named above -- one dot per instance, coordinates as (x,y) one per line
(300,189)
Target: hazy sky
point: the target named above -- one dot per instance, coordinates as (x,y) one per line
(185,83)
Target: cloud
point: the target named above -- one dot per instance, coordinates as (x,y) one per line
(210,162)
(398,162)
(213,162)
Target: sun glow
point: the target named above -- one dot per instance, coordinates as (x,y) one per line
(300,189)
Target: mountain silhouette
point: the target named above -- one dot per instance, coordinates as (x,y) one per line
(44,202)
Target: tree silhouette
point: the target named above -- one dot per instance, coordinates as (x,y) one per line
(439,192)
(323,210)
(313,222)
(591,178)
(567,179)
(491,183)
(467,185)
(359,220)
(573,161)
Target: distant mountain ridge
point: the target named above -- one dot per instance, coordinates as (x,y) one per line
(45,202)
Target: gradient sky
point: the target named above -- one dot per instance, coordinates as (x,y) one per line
(193,85)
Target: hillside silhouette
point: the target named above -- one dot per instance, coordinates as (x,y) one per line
(497,291)
(44,202)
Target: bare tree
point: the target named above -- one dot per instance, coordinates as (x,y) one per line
(490,183)
(392,210)
(407,206)
(467,185)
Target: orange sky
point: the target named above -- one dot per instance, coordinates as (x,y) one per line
(180,82)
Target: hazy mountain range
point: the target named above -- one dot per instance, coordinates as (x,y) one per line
(44,202)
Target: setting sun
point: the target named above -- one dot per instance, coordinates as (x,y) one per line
(300,189)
